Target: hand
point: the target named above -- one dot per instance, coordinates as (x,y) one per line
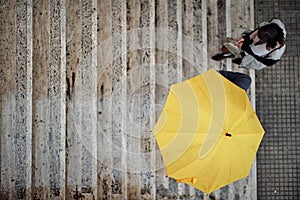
(239,42)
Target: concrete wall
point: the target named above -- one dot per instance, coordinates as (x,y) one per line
(82,82)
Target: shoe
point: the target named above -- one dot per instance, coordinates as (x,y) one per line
(222,56)
(232,48)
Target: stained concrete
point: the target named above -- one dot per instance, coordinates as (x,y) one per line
(82,83)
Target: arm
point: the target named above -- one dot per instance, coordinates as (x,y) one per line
(250,62)
(265,61)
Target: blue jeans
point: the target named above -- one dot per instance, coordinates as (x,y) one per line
(240,79)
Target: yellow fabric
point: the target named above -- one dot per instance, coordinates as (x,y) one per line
(191,132)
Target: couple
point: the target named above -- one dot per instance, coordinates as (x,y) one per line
(255,49)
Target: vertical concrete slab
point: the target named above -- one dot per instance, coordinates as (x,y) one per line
(104,100)
(133,86)
(228,13)
(161,86)
(183,189)
(49,112)
(74,140)
(24,97)
(8,62)
(82,103)
(151,152)
(16,101)
(89,98)
(192,55)
(212,31)
(56,97)
(41,46)
(205,57)
(189,47)
(199,35)
(140,99)
(188,65)
(175,67)
(168,70)
(119,85)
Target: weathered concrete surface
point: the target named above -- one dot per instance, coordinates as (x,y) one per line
(82,84)
(49,101)
(16,99)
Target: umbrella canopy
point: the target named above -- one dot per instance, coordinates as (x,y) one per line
(208,132)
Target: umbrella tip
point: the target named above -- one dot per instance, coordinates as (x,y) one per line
(228,134)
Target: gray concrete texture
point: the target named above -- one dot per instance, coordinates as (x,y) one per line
(82,83)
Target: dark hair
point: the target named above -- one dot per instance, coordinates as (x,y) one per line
(271,34)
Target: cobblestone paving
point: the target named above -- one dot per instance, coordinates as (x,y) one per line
(277,105)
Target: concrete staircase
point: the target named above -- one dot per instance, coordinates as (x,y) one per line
(82,83)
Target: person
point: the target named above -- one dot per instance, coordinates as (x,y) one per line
(240,79)
(256,49)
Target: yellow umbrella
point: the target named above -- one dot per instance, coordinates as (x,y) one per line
(208,132)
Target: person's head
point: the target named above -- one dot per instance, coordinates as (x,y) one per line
(271,34)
